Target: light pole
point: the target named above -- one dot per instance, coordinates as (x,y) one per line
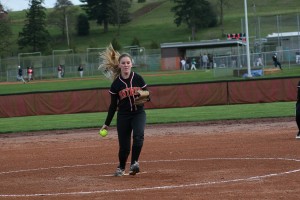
(67,29)
(247,40)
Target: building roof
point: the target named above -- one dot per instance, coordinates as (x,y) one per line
(3,13)
(285,34)
(206,43)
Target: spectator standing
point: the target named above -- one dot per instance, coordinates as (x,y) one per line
(298,57)
(59,71)
(275,60)
(205,61)
(20,74)
(210,60)
(187,63)
(183,63)
(233,61)
(29,73)
(80,70)
(200,61)
(193,64)
(259,61)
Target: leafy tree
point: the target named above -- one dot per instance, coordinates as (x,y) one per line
(119,14)
(34,34)
(107,12)
(154,45)
(135,42)
(99,10)
(83,26)
(195,13)
(222,4)
(116,45)
(5,32)
(63,16)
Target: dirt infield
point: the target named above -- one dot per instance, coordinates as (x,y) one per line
(249,159)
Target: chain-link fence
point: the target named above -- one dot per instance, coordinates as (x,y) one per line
(262,46)
(45,67)
(222,65)
(261,27)
(236,65)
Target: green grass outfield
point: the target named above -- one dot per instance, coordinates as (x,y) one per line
(154,116)
(151,78)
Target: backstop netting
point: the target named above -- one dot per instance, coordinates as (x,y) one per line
(139,58)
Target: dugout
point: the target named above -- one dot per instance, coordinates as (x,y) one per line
(286,44)
(172,52)
(285,40)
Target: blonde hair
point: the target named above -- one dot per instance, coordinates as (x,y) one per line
(110,62)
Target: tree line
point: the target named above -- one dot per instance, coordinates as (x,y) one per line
(34,36)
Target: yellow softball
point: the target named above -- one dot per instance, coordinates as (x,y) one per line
(103,132)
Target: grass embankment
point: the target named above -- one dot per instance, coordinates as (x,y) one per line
(158,25)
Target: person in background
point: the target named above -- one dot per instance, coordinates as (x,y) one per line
(20,74)
(193,64)
(275,60)
(234,61)
(29,73)
(200,62)
(59,71)
(205,61)
(210,61)
(259,61)
(80,70)
(183,63)
(297,57)
(187,63)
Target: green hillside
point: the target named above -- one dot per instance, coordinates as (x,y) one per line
(156,25)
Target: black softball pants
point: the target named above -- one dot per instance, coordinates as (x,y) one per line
(298,115)
(127,125)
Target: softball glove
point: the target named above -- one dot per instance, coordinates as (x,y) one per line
(141,97)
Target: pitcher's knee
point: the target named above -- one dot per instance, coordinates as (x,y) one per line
(138,140)
(124,151)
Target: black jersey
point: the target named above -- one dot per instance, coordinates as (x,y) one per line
(298,92)
(122,95)
(125,90)
(20,72)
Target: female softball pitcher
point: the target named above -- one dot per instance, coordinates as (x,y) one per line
(126,93)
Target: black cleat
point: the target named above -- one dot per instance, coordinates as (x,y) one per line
(119,172)
(298,135)
(135,168)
